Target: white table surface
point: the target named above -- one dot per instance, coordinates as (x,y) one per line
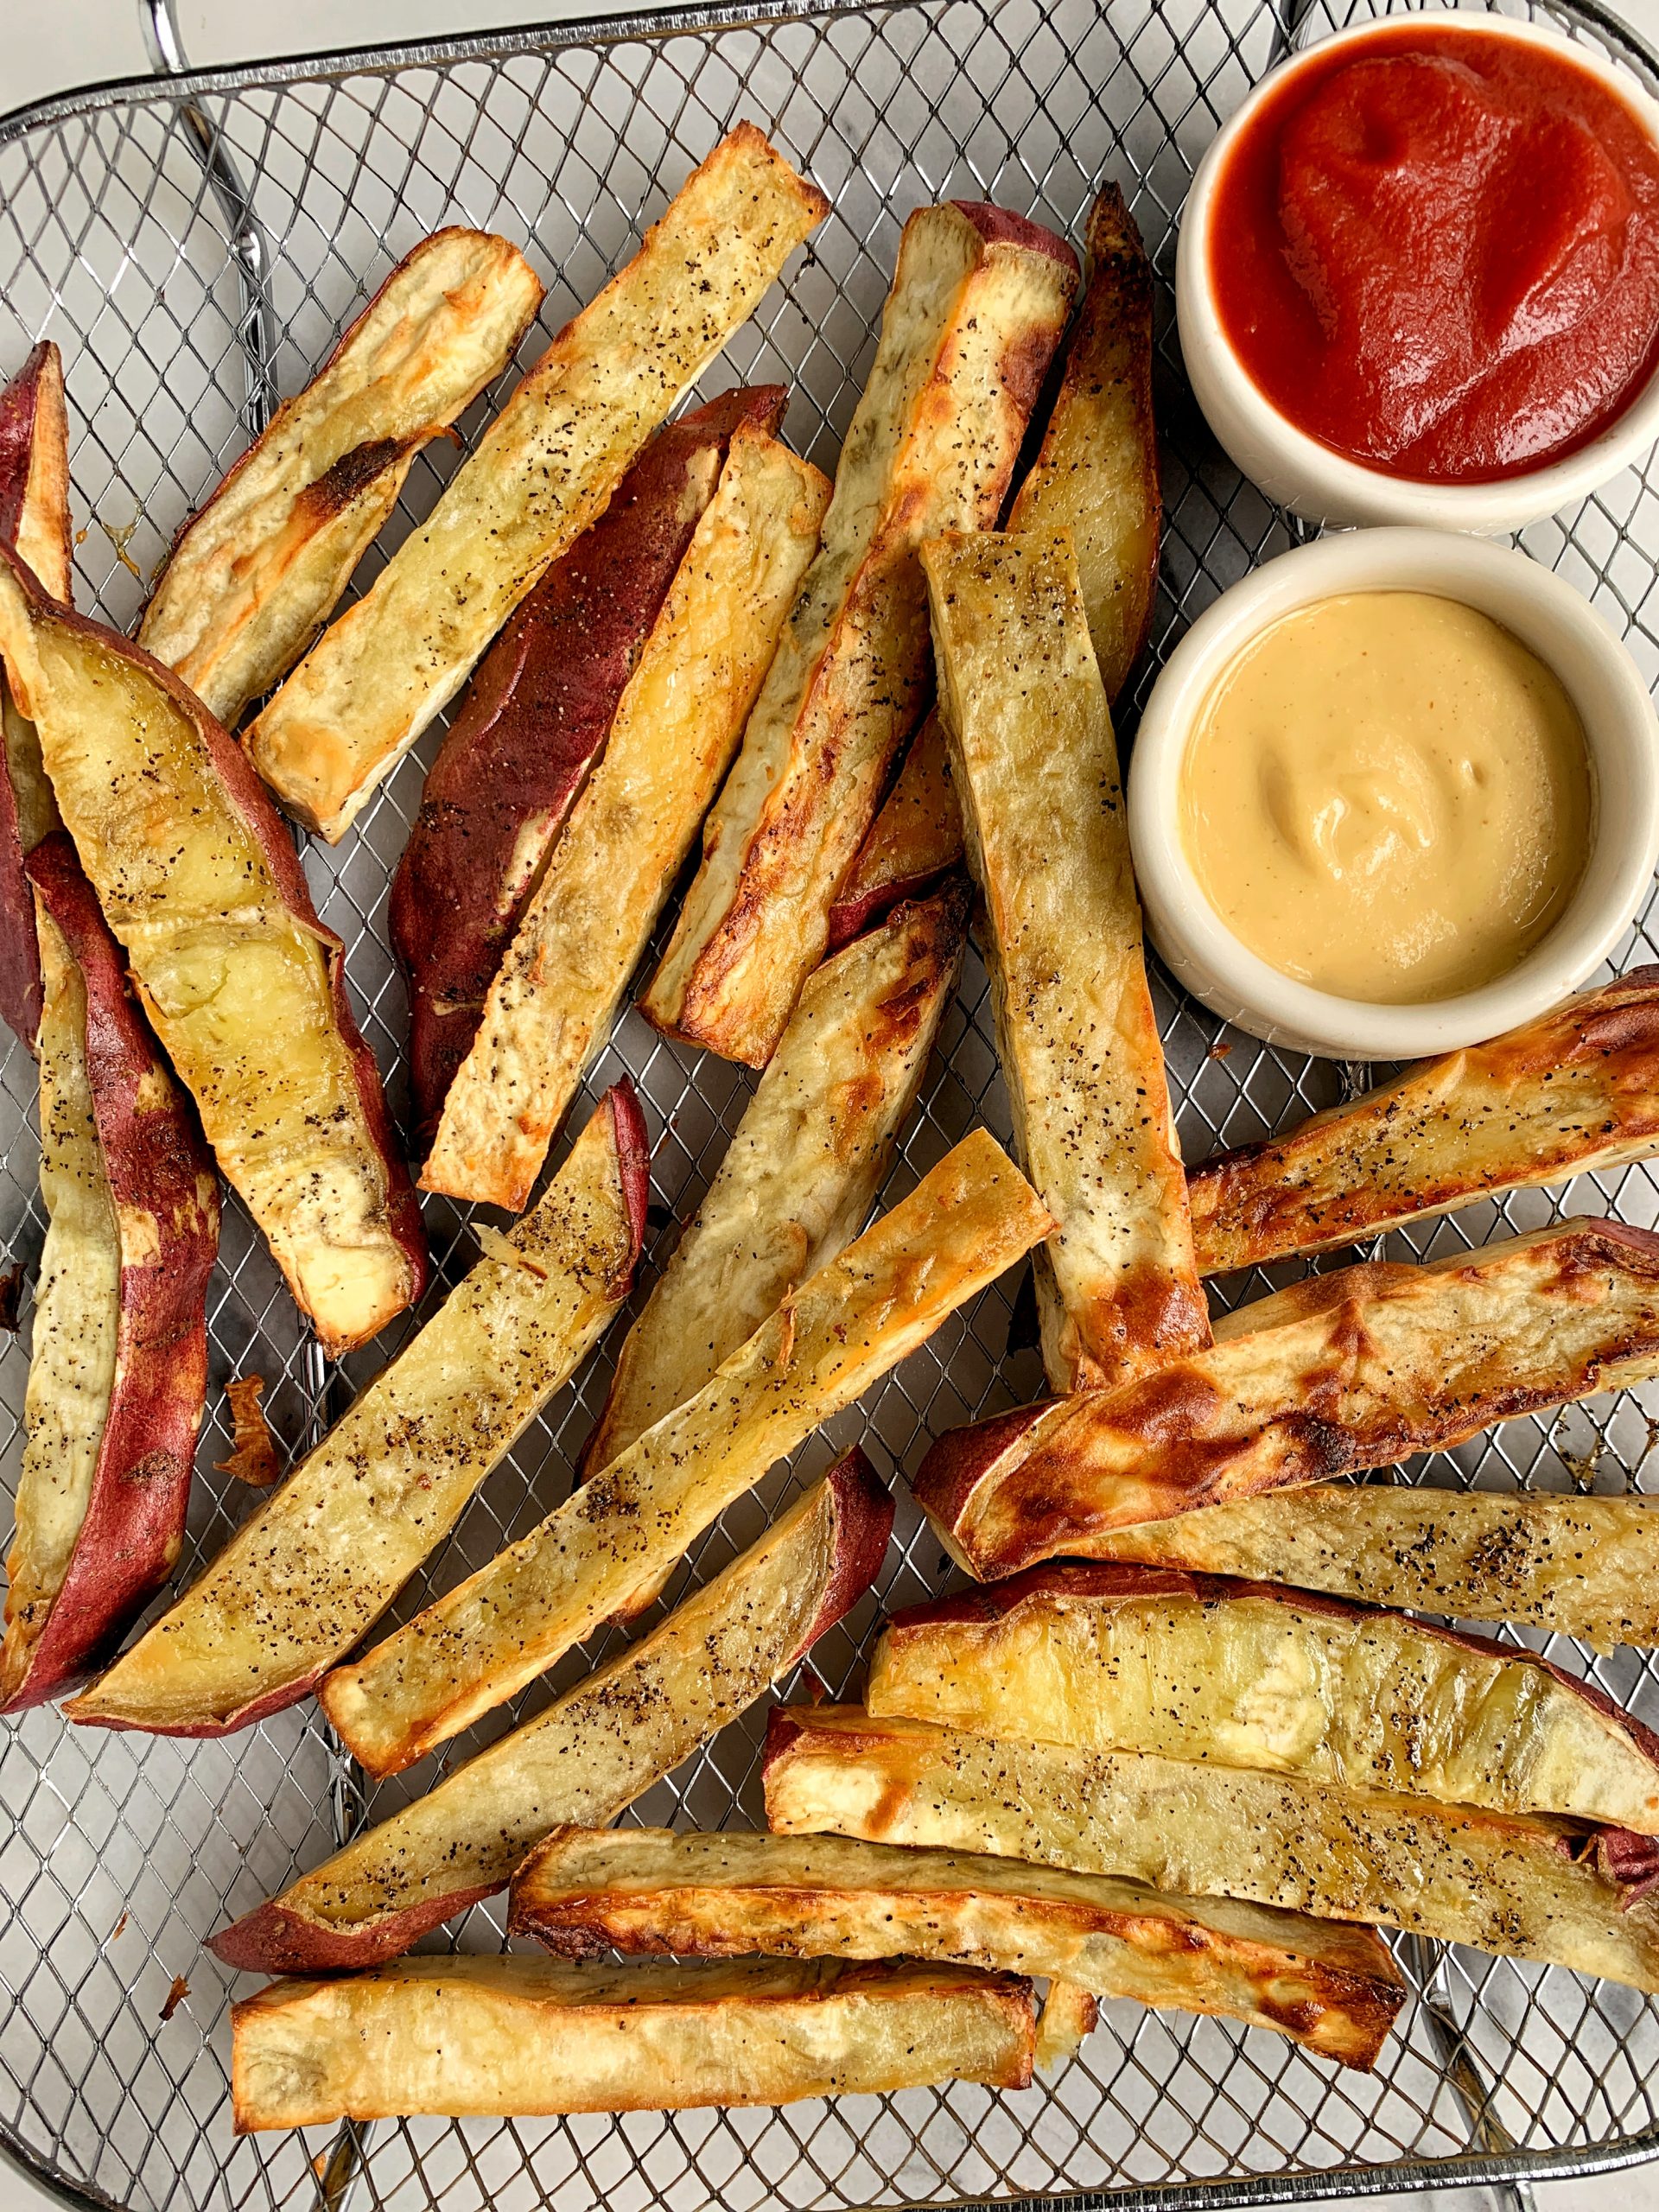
(52,45)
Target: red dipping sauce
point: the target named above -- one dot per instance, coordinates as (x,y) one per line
(1436,250)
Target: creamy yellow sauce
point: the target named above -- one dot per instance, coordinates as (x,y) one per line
(1388,797)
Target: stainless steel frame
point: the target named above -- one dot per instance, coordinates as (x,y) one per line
(194,244)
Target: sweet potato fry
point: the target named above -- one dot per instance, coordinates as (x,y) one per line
(1097,474)
(299,1583)
(35,523)
(1575,1091)
(1526,1887)
(1034,765)
(608,1547)
(1358,1368)
(118,1373)
(520,2037)
(534,720)
(1070,2016)
(543,470)
(1582,1567)
(552,1003)
(914,839)
(35,471)
(583,1891)
(978,302)
(801,1173)
(1116,1656)
(200,883)
(591,1753)
(257,570)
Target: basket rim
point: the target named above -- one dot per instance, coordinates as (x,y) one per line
(622,26)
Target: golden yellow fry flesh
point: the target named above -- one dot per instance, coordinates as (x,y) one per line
(550,1006)
(1582,1567)
(612,1539)
(256,571)
(304,1578)
(1114,1656)
(591,1752)
(542,472)
(1035,764)
(522,2037)
(801,1172)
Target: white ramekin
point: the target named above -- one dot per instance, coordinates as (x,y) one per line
(1296,470)
(1621,731)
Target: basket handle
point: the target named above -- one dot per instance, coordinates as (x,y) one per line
(256,328)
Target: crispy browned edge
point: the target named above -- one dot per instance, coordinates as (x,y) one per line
(957,1463)
(580,1925)
(1251,1213)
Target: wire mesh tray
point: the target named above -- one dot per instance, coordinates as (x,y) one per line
(194,246)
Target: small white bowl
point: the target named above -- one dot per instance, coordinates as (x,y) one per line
(1296,470)
(1621,734)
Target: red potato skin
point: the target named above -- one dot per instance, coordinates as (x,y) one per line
(35,433)
(1125,1581)
(633,1164)
(999,226)
(1630,1862)
(534,721)
(864,1511)
(633,1172)
(957,1463)
(18,402)
(22,992)
(258,810)
(31,414)
(157,1162)
(273,1939)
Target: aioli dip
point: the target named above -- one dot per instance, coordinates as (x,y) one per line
(1436,250)
(1388,797)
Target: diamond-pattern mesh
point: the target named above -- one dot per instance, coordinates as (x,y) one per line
(120,1852)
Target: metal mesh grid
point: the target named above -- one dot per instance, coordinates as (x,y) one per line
(121,1852)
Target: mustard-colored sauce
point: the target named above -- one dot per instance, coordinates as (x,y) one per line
(1388,797)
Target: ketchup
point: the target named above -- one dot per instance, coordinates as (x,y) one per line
(1437,251)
